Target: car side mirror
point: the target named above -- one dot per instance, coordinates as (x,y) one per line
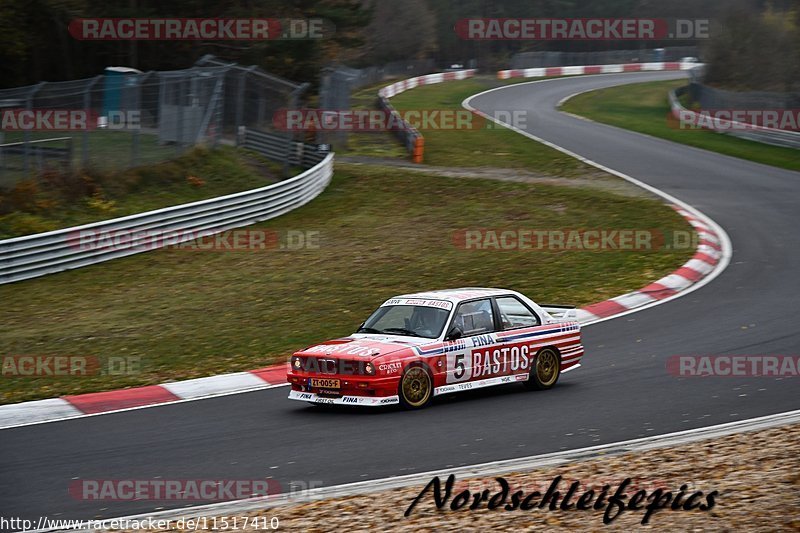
(454,333)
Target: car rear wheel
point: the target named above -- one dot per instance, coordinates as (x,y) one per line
(545,371)
(416,388)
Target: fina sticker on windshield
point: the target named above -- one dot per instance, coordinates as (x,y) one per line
(441,304)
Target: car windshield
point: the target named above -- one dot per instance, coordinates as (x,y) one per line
(412,320)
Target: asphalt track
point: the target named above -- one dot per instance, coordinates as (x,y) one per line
(623,390)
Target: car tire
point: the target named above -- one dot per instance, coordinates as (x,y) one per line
(415,389)
(545,370)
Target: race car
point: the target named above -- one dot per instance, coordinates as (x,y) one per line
(418,346)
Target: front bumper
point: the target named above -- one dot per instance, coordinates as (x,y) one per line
(371,401)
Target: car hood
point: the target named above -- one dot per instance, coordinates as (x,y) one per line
(363,346)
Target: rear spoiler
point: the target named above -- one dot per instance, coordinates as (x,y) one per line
(561,312)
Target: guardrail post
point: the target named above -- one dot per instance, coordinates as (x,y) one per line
(241,96)
(294,98)
(27,134)
(87,105)
(419,149)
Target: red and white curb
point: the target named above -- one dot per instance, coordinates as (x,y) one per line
(707,256)
(66,407)
(582,70)
(711,257)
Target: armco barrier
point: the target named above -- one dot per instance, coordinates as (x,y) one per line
(752,132)
(46,253)
(408,134)
(278,148)
(546,72)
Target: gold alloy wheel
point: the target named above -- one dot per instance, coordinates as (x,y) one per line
(547,367)
(416,386)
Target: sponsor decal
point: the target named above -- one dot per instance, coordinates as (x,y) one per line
(348,348)
(391,368)
(441,304)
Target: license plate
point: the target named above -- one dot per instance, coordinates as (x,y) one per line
(324,383)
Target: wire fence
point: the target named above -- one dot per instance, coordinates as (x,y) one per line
(339,82)
(126,118)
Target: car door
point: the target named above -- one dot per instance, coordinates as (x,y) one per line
(519,326)
(472,356)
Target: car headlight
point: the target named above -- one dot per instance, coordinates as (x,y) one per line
(296,363)
(369,369)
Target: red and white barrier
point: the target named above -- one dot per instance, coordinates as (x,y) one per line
(581,70)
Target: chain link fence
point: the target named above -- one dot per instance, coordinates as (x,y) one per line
(126,118)
(339,82)
(540,59)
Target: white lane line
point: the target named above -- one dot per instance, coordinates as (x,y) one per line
(492,468)
(724,239)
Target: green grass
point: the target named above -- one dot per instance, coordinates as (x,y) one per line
(644,107)
(108,150)
(190,314)
(486,146)
(222,171)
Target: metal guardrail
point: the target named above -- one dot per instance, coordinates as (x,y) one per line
(408,134)
(46,253)
(752,132)
(279,148)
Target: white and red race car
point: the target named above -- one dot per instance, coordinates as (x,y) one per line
(417,346)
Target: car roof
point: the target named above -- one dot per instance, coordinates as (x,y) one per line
(457,295)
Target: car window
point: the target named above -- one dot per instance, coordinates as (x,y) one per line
(474,318)
(514,314)
(415,320)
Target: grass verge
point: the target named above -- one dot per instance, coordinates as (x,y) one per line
(190,314)
(55,201)
(644,107)
(486,146)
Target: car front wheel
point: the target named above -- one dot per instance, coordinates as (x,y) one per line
(416,388)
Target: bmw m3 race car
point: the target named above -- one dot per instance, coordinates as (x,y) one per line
(417,346)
